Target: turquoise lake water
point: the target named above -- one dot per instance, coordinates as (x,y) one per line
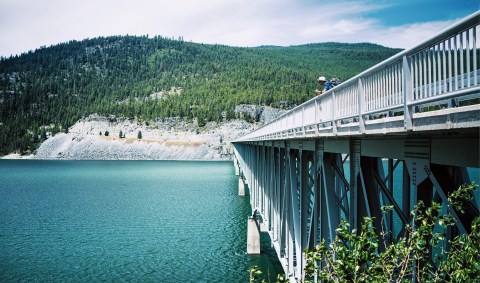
(146,221)
(141,221)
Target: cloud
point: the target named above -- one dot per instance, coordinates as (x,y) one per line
(410,35)
(26,25)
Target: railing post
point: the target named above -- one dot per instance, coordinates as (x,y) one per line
(361,101)
(334,123)
(293,122)
(303,120)
(407,94)
(316,116)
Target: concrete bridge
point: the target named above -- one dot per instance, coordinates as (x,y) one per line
(403,131)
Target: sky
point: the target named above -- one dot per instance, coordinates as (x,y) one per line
(28,24)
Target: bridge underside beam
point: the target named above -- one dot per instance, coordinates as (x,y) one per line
(300,189)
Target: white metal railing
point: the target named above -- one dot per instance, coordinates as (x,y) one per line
(436,71)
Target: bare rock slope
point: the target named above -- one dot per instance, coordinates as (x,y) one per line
(168,140)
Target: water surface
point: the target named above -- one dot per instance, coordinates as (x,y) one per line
(154,221)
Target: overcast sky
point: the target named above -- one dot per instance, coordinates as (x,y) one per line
(29,24)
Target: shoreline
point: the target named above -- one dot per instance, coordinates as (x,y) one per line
(171,138)
(17,156)
(177,140)
(87,160)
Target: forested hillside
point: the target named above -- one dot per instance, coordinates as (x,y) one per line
(49,89)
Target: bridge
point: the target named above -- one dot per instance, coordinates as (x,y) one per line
(403,131)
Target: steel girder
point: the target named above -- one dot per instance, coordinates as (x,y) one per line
(301,189)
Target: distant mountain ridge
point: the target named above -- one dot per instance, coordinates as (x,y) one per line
(49,89)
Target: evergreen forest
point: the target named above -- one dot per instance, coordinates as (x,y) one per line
(47,90)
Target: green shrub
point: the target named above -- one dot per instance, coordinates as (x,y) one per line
(354,256)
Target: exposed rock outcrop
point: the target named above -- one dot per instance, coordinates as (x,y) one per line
(256,113)
(173,138)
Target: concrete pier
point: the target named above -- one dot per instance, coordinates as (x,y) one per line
(237,167)
(253,237)
(241,186)
(263,227)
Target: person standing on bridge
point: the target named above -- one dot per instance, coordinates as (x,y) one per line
(326,85)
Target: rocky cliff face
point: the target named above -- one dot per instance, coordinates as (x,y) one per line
(168,139)
(261,114)
(172,139)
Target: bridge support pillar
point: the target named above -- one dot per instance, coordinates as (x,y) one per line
(237,166)
(241,187)
(253,237)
